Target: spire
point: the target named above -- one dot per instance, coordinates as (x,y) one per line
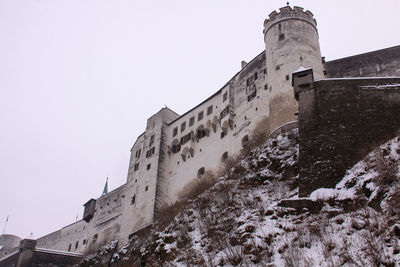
(105,190)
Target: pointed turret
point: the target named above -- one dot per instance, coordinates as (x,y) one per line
(105,190)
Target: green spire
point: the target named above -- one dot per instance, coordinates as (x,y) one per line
(105,190)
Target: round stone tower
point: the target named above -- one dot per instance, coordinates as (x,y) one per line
(291,41)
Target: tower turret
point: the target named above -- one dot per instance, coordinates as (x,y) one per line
(291,41)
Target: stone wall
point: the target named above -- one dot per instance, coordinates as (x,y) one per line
(340,120)
(381,63)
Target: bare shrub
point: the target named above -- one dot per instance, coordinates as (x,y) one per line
(386,168)
(234,254)
(166,214)
(258,136)
(198,186)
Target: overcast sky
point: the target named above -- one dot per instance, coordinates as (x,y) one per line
(79,78)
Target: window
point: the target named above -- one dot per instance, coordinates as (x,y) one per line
(148,166)
(183,126)
(224,133)
(224,112)
(287,77)
(281,37)
(201,133)
(84,241)
(151,140)
(191,121)
(174,131)
(95,238)
(248,82)
(176,148)
(200,172)
(252,95)
(225,97)
(209,110)
(200,116)
(136,167)
(147,188)
(133,199)
(256,75)
(137,154)
(150,152)
(76,244)
(186,138)
(245,140)
(69,247)
(224,156)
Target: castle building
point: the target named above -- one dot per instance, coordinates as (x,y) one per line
(176,149)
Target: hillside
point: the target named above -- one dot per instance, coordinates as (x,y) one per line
(252,216)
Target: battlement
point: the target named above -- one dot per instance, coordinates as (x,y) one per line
(288,13)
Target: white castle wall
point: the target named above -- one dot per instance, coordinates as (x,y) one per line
(157,173)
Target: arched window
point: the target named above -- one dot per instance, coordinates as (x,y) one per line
(69,247)
(224,156)
(95,238)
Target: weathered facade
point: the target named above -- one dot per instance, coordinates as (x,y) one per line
(174,150)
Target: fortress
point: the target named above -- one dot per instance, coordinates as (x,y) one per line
(278,88)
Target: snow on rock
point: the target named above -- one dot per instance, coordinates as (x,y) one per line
(239,222)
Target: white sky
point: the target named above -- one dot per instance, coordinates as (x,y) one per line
(79,78)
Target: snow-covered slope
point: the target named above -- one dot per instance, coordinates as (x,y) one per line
(253,217)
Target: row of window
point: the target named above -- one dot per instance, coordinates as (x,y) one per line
(200,116)
(148,167)
(148,154)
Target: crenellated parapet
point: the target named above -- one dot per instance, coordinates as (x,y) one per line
(288,13)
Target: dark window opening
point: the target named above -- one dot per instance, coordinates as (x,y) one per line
(186,138)
(84,241)
(150,152)
(176,148)
(281,37)
(287,78)
(151,140)
(69,247)
(137,154)
(200,116)
(95,238)
(76,244)
(224,156)
(224,112)
(252,95)
(201,133)
(224,133)
(133,199)
(191,121)
(147,188)
(225,97)
(148,166)
(265,71)
(245,140)
(209,110)
(279,27)
(256,75)
(174,131)
(183,126)
(200,172)
(136,167)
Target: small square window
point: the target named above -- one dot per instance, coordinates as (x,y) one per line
(175,131)
(191,121)
(225,97)
(200,116)
(183,126)
(281,37)
(209,110)
(148,166)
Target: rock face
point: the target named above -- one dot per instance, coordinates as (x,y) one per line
(340,121)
